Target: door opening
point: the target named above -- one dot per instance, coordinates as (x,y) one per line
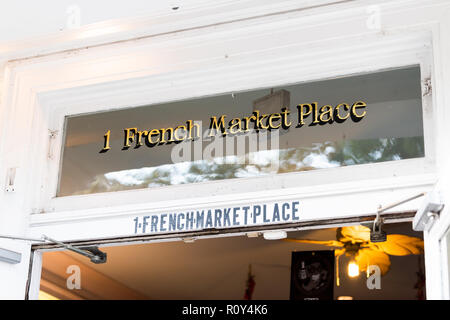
(328,263)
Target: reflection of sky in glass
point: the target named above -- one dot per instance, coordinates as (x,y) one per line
(264,162)
(179,173)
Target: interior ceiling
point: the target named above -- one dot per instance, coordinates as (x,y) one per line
(217,268)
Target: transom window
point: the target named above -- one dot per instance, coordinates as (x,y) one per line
(346,121)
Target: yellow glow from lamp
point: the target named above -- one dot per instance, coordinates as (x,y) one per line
(353,269)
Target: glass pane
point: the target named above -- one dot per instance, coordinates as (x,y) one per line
(339,122)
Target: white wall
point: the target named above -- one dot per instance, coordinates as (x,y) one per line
(435,259)
(23,19)
(319,42)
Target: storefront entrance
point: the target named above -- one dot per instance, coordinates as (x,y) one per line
(243,267)
(182,152)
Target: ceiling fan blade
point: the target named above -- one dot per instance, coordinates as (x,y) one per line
(400,245)
(354,234)
(367,256)
(339,252)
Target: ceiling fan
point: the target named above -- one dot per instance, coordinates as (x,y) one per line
(355,242)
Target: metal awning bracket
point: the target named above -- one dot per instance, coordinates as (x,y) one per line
(92,252)
(376,232)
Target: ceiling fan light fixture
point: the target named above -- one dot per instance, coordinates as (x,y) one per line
(353,269)
(345,298)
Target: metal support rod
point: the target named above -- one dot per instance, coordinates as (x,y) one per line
(70,247)
(377,234)
(100,258)
(381,209)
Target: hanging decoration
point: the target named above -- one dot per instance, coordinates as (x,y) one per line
(312,275)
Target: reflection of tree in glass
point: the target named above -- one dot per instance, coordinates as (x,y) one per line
(102,184)
(292,160)
(319,155)
(159,177)
(211,170)
(376,150)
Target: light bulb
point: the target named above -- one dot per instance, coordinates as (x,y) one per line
(353,269)
(345,298)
